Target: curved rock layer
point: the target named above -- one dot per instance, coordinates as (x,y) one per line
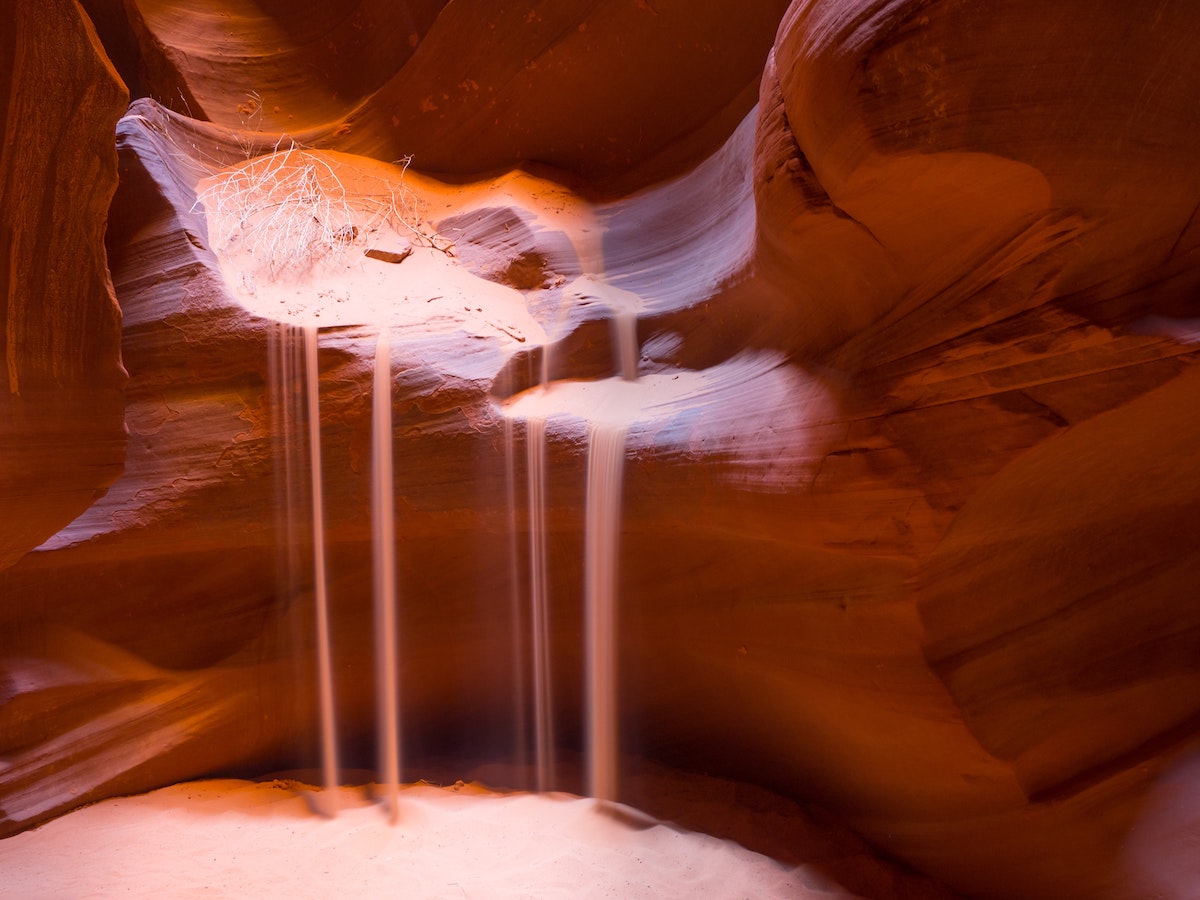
(908,508)
(61,438)
(621,93)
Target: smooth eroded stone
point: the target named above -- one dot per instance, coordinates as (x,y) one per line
(61,416)
(902,369)
(620,93)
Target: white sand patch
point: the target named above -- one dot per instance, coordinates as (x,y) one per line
(241,839)
(770,420)
(307,237)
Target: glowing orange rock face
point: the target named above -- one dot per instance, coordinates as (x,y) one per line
(907,513)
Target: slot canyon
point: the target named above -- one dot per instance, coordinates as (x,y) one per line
(782,406)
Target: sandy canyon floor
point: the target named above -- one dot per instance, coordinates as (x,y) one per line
(225,838)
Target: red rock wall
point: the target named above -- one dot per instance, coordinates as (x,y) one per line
(923,550)
(622,93)
(60,406)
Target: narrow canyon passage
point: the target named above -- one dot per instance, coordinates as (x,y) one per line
(782,414)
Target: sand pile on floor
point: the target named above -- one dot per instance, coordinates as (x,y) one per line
(232,838)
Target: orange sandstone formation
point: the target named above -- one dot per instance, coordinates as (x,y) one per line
(909,507)
(61,435)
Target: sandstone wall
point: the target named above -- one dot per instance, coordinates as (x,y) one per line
(918,543)
(60,406)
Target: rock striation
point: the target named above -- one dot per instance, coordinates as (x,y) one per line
(61,431)
(910,489)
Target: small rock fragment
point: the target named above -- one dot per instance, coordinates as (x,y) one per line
(390,256)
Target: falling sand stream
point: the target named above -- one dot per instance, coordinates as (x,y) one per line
(606,451)
(606,461)
(337,274)
(605,466)
(329,755)
(539,604)
(383,533)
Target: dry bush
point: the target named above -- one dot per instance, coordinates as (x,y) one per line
(290,210)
